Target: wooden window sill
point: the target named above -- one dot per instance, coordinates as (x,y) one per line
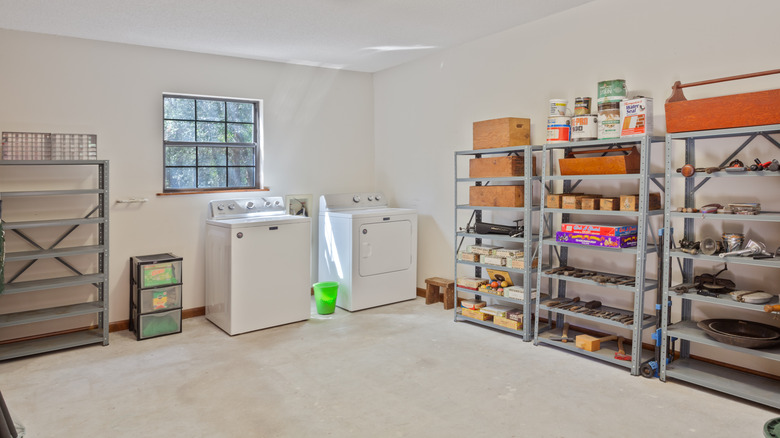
(203,192)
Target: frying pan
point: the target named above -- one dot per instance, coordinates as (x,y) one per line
(746,334)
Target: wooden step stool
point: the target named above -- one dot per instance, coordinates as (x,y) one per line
(435,287)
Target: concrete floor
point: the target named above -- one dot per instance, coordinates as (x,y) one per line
(404,370)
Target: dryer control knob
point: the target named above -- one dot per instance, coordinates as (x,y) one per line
(277,203)
(377,197)
(232,206)
(250,205)
(267,203)
(370,198)
(356,198)
(220,207)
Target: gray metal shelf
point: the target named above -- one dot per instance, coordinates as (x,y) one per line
(647,321)
(605,354)
(645,246)
(649,284)
(97,217)
(720,378)
(527,240)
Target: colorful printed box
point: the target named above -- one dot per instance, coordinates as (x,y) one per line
(597,240)
(602,230)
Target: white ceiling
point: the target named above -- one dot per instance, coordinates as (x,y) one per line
(360,35)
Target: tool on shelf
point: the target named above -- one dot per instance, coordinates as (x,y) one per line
(621,353)
(564,335)
(752,248)
(772,308)
(710,246)
(710,285)
(590,343)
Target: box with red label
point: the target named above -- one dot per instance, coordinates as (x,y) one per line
(603,230)
(472,283)
(636,116)
(597,240)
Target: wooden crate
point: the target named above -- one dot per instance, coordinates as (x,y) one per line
(590,203)
(508,323)
(475,314)
(500,133)
(609,203)
(571,202)
(600,165)
(498,166)
(496,196)
(555,200)
(631,202)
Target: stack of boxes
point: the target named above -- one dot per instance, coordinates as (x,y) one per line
(505,316)
(495,255)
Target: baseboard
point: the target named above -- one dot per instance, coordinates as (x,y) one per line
(420,292)
(118,326)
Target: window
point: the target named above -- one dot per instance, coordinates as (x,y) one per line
(210,143)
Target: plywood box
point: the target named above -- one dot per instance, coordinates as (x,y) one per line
(600,164)
(590,203)
(609,203)
(501,133)
(499,166)
(555,200)
(571,202)
(508,323)
(475,314)
(631,202)
(496,196)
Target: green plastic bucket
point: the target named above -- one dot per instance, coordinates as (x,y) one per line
(325,296)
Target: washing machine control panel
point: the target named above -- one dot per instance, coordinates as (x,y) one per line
(239,208)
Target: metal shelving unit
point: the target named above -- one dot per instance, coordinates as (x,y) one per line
(646,245)
(98,216)
(760,389)
(527,240)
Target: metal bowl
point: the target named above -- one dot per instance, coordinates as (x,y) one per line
(746,334)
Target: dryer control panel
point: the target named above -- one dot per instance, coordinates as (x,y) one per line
(352,201)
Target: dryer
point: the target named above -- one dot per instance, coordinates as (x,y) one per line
(368,248)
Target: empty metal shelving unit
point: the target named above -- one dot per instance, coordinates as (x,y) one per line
(549,332)
(48,239)
(689,368)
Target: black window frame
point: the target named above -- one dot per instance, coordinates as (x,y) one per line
(255,144)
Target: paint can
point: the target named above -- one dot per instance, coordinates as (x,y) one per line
(636,116)
(584,127)
(582,106)
(611,91)
(609,120)
(558,129)
(558,107)
(732,241)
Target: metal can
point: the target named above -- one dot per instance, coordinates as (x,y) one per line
(584,127)
(558,129)
(558,107)
(582,106)
(609,120)
(611,91)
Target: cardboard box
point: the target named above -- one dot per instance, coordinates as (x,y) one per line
(604,230)
(496,310)
(471,282)
(493,260)
(517,292)
(473,304)
(609,203)
(468,257)
(519,263)
(484,249)
(475,314)
(509,253)
(496,196)
(499,166)
(500,133)
(631,202)
(590,203)
(508,323)
(596,240)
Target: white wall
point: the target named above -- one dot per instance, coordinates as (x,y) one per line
(424,110)
(318,133)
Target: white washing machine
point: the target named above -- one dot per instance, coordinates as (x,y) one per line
(258,267)
(368,248)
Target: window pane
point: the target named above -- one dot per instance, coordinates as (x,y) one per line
(240,133)
(241,177)
(211,110)
(240,112)
(179,131)
(211,132)
(211,156)
(241,156)
(211,177)
(180,178)
(179,156)
(176,108)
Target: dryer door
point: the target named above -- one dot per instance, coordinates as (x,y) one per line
(385,247)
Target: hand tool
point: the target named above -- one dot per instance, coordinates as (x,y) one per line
(589,343)
(565,303)
(621,353)
(773,165)
(688,170)
(772,308)
(710,246)
(713,169)
(751,248)
(564,336)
